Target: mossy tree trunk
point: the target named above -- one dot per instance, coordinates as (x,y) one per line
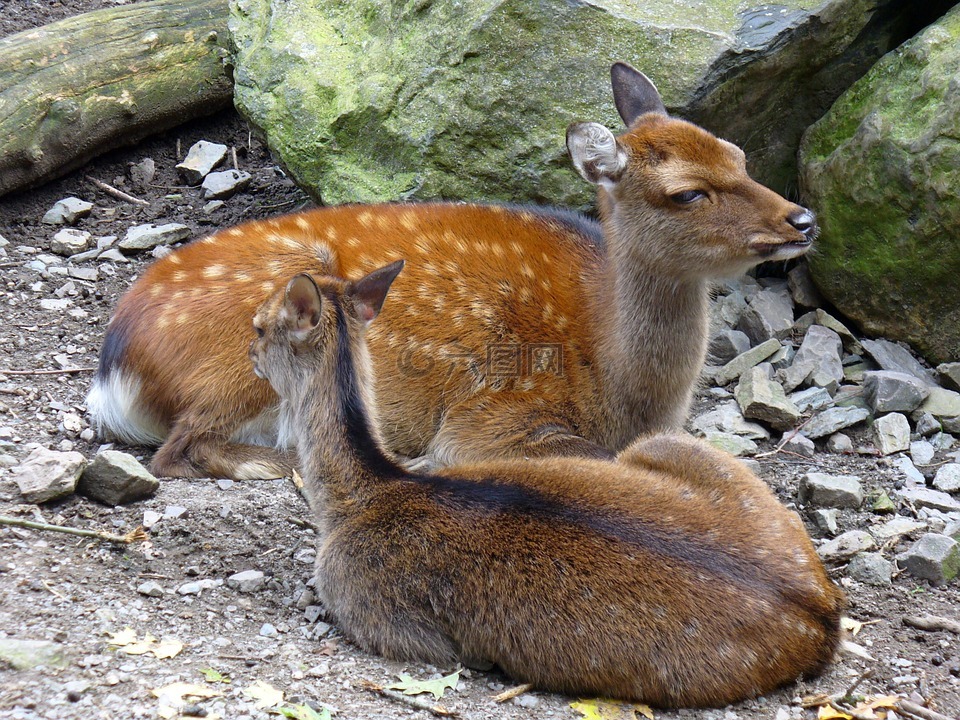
(90,83)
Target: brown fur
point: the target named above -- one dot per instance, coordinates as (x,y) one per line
(671,576)
(627,308)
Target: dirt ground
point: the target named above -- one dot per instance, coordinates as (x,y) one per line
(75,591)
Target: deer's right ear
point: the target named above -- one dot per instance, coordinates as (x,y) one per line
(596,154)
(301,305)
(634,94)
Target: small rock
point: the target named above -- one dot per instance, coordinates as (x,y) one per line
(312,613)
(117,478)
(924,497)
(870,568)
(526,701)
(29,654)
(906,466)
(736,445)
(88,274)
(890,356)
(212,206)
(740,364)
(942,403)
(839,443)
(949,375)
(763,399)
(307,556)
(727,344)
(67,211)
(198,586)
(151,518)
(817,362)
(942,441)
(145,237)
(891,433)
(947,478)
(143,172)
(829,421)
(896,528)
(846,546)
(921,452)
(927,425)
(797,444)
(769,314)
(268,630)
(305,599)
(804,292)
(223,185)
(835,491)
(151,588)
(727,418)
(825,520)
(113,255)
(883,504)
(889,391)
(48,475)
(202,157)
(248,581)
(174,512)
(933,557)
(70,241)
(849,340)
(811,399)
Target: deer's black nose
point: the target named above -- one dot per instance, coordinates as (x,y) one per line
(804,221)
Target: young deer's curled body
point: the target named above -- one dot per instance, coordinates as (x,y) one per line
(515,332)
(672,576)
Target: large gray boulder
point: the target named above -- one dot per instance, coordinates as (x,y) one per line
(470,99)
(881,169)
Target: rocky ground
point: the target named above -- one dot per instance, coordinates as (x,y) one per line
(221,582)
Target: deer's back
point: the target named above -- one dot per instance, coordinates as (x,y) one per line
(491,296)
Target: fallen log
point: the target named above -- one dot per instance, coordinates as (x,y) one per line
(76,88)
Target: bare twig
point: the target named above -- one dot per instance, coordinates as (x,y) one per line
(786,439)
(850,711)
(933,622)
(133,536)
(909,708)
(856,683)
(63,371)
(54,591)
(233,153)
(10,264)
(513,692)
(414,702)
(305,524)
(118,194)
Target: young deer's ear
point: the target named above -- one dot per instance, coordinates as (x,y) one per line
(368,293)
(301,304)
(596,154)
(633,93)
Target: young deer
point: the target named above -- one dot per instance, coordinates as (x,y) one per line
(515,331)
(672,576)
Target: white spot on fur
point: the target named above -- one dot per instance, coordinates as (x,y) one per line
(302,223)
(174,259)
(211,272)
(179,275)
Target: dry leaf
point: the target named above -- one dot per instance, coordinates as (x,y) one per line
(266,695)
(409,686)
(828,712)
(304,712)
(175,696)
(297,480)
(214,676)
(601,709)
(124,637)
(851,648)
(850,625)
(167,648)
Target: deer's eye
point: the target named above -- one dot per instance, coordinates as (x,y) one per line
(687,196)
(258,331)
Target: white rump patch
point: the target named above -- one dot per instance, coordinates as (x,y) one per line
(115,412)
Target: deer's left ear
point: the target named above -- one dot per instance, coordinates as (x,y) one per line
(301,305)
(368,293)
(596,154)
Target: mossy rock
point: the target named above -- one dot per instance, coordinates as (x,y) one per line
(470,99)
(882,169)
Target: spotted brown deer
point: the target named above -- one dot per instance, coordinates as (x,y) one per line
(515,331)
(671,576)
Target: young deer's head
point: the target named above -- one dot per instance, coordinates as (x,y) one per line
(316,326)
(667,178)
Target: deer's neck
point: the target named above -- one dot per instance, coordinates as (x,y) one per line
(338,441)
(653,332)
